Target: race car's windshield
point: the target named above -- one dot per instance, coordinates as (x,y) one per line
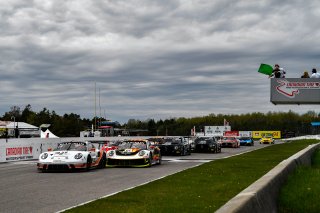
(129,145)
(71,147)
(156,140)
(202,140)
(228,138)
(169,141)
(245,138)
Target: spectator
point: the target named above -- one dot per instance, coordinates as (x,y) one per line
(305,74)
(315,74)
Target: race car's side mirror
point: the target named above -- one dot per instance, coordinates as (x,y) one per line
(49,149)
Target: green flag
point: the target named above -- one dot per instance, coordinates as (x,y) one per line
(265,69)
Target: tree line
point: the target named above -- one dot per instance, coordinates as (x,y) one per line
(70,125)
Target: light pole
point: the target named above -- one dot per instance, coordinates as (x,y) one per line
(14,125)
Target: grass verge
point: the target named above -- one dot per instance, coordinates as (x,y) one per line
(302,190)
(201,189)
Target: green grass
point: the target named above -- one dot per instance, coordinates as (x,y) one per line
(201,189)
(302,190)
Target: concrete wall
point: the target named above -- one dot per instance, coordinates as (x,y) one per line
(262,195)
(16,149)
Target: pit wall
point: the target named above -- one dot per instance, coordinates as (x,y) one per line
(262,195)
(16,149)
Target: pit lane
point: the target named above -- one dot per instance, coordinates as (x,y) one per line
(23,189)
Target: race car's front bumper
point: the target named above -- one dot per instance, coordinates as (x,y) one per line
(140,162)
(61,166)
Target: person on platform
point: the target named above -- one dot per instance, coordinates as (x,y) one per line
(278,72)
(315,74)
(305,74)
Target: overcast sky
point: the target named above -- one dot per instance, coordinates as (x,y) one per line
(152,59)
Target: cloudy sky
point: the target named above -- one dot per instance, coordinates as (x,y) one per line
(152,59)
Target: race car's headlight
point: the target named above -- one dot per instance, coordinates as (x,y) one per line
(111,153)
(142,153)
(44,156)
(176,147)
(78,156)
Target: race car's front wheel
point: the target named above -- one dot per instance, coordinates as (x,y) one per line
(218,149)
(159,160)
(149,161)
(89,162)
(103,161)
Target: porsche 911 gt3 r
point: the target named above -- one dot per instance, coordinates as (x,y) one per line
(72,155)
(134,153)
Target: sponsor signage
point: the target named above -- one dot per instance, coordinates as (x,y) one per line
(216,130)
(260,134)
(245,134)
(231,133)
(19,153)
(295,91)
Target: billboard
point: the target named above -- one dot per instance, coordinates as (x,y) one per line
(295,91)
(245,133)
(216,130)
(231,133)
(260,134)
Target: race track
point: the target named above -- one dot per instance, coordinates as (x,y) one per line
(24,189)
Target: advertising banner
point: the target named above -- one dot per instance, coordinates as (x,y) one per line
(231,133)
(245,134)
(216,130)
(260,134)
(295,91)
(16,149)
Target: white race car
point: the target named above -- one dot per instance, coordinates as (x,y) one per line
(134,153)
(72,155)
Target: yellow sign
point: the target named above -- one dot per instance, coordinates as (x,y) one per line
(260,134)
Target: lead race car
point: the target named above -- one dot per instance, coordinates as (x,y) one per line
(72,155)
(134,153)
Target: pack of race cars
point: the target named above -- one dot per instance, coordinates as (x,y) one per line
(86,155)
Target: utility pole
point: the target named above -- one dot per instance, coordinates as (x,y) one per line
(95,106)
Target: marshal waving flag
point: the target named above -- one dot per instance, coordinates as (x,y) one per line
(265,69)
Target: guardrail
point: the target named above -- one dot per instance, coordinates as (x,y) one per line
(261,196)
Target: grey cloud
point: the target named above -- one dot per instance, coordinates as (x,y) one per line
(152,59)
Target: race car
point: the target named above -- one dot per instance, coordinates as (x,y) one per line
(175,146)
(134,153)
(266,140)
(109,145)
(206,144)
(230,141)
(72,155)
(246,141)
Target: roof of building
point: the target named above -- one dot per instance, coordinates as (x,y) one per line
(21,125)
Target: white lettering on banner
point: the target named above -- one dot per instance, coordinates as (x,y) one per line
(19,151)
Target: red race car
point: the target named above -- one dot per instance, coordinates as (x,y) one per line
(230,141)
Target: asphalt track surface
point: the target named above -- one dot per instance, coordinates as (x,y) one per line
(24,189)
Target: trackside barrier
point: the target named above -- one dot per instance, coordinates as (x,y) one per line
(262,195)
